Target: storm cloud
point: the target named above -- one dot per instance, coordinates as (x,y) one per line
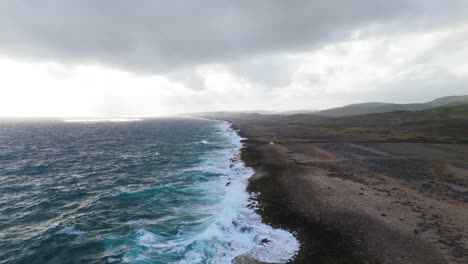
(159,36)
(149,57)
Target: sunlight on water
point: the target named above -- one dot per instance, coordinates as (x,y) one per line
(95,120)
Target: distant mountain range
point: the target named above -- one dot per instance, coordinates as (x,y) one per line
(445,124)
(250,112)
(350,110)
(375,107)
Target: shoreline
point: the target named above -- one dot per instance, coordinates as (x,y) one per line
(305,194)
(268,244)
(275,211)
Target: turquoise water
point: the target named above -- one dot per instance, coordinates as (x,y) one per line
(127,191)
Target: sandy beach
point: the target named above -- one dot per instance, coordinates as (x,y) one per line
(354,201)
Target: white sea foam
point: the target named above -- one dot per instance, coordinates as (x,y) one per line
(237,229)
(122,190)
(203,142)
(72,231)
(96,120)
(147,238)
(147,222)
(231,227)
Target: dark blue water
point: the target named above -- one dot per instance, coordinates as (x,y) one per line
(151,191)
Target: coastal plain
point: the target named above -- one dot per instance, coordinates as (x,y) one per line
(378,188)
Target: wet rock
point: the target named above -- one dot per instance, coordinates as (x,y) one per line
(245,260)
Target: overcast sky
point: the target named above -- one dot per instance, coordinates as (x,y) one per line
(156,58)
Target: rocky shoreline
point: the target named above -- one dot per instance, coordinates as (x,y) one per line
(350,202)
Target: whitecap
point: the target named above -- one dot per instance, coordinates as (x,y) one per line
(122,190)
(147,239)
(230,226)
(113,260)
(237,229)
(72,231)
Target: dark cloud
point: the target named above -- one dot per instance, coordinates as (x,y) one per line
(158,36)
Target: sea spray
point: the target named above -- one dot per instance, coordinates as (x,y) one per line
(238,225)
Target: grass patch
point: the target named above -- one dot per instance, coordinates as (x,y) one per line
(441,169)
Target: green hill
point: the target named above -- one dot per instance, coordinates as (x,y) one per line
(449,101)
(375,107)
(445,124)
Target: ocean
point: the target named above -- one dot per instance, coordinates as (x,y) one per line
(129,191)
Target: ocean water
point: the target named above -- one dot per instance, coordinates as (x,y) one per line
(129,191)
